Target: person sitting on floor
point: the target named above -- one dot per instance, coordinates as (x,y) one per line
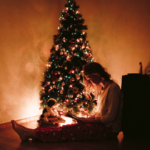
(103,125)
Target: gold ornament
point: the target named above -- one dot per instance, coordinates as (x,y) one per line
(60,78)
(71,96)
(63,49)
(73,79)
(61,53)
(65,53)
(63,83)
(82,58)
(69,57)
(61,92)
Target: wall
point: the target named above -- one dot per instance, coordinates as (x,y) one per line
(118,33)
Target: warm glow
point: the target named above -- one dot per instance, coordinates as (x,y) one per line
(78,40)
(81,39)
(60,78)
(56,47)
(82,115)
(48,65)
(83,46)
(83,32)
(73,48)
(70,85)
(68,121)
(77,12)
(87,47)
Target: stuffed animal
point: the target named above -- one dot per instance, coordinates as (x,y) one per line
(50,112)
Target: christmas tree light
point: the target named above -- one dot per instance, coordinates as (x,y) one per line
(63,79)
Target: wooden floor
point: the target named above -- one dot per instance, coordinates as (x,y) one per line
(9,140)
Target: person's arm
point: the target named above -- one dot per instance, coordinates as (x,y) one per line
(93,116)
(60,120)
(90,120)
(113,103)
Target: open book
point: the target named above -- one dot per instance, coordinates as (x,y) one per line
(52,121)
(69,114)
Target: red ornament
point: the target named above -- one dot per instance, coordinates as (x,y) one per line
(55,73)
(54,78)
(75,101)
(85,110)
(71,72)
(45,84)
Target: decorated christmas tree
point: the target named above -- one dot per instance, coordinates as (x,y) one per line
(63,79)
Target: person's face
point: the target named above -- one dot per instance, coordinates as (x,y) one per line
(95,79)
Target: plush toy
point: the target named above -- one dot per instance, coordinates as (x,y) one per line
(50,112)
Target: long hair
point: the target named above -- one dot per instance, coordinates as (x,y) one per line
(92,68)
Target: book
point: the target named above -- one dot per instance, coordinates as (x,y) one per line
(52,121)
(69,114)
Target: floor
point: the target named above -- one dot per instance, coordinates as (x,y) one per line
(9,140)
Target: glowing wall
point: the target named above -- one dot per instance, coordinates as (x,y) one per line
(118,33)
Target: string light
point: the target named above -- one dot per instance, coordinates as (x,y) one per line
(77,12)
(78,40)
(73,48)
(48,65)
(83,46)
(87,47)
(70,85)
(60,78)
(83,32)
(56,47)
(64,40)
(67,8)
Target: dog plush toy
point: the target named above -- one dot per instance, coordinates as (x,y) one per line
(50,112)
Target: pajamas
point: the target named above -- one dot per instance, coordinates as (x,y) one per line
(75,132)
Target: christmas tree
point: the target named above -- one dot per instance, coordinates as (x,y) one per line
(63,79)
